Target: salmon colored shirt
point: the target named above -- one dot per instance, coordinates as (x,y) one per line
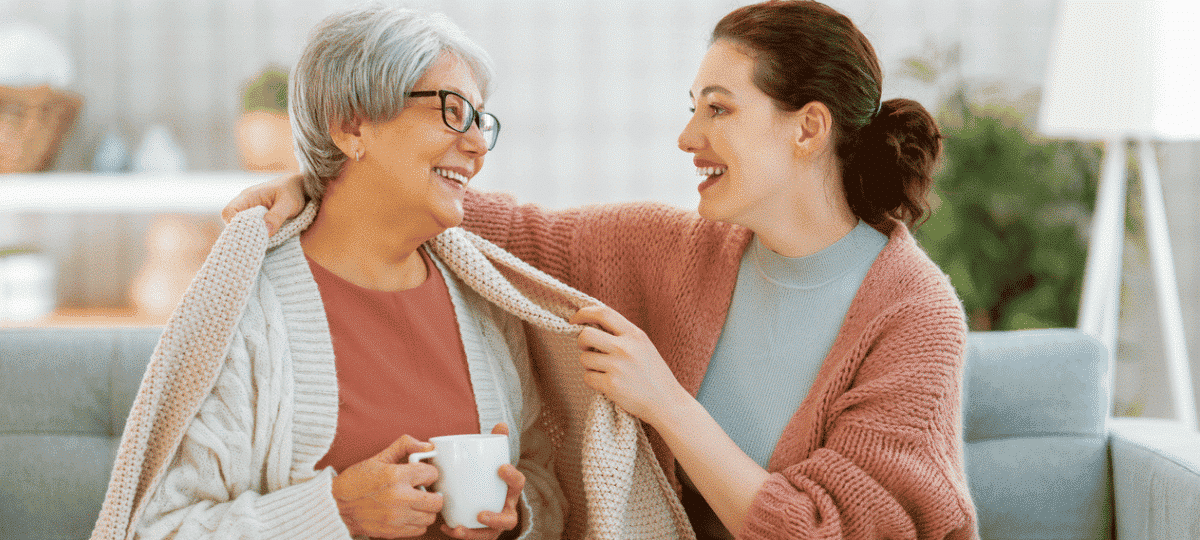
(401,367)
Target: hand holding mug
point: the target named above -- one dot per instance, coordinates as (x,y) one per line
(379,497)
(481,488)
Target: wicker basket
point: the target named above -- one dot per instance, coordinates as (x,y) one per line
(32,123)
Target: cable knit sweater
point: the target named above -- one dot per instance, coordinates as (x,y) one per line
(239,402)
(874,450)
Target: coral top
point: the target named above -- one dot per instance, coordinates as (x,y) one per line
(401,368)
(875,450)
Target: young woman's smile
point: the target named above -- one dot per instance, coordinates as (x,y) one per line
(711,171)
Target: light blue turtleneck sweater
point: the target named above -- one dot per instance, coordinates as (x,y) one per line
(785,314)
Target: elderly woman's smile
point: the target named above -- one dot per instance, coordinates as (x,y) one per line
(459,178)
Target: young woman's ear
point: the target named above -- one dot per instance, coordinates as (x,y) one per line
(813,128)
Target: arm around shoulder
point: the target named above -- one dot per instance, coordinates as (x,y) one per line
(540,237)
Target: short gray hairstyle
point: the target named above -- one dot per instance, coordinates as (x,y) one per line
(362,63)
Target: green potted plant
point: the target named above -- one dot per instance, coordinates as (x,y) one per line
(264,135)
(1011,212)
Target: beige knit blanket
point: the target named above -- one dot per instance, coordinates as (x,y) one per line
(613,483)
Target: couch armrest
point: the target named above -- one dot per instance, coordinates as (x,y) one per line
(1156,478)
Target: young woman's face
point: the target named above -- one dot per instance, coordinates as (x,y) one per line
(743,144)
(415,161)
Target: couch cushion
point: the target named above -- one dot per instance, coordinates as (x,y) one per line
(71,380)
(1034,382)
(1034,410)
(1041,488)
(53,484)
(64,396)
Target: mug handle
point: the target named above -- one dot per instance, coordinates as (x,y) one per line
(418,456)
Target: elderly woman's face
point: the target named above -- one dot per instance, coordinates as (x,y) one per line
(415,161)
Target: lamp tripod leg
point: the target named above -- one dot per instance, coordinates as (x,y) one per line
(1099,308)
(1166,289)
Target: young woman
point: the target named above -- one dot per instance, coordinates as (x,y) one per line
(797,355)
(296,376)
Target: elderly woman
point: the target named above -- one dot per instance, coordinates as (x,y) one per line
(296,377)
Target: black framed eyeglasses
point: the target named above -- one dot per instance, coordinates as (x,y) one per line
(459,114)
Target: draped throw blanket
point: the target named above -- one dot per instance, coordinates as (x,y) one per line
(603,459)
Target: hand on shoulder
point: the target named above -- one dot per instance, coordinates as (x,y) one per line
(283,197)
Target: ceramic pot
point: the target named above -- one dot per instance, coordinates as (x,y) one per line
(264,140)
(176,246)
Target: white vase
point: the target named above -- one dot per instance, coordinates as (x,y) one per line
(158,152)
(27,286)
(112,154)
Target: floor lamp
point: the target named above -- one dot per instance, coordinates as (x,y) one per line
(1125,70)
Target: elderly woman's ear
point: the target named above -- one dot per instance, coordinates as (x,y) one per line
(348,137)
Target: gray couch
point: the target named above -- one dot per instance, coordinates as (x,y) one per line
(1044,460)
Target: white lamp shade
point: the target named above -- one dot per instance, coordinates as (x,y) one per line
(1124,68)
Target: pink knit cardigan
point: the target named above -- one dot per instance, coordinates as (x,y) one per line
(875,449)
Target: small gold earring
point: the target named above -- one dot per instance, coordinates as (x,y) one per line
(358,154)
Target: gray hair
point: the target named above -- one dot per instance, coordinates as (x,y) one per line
(362,63)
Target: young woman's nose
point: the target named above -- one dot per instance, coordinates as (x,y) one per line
(690,139)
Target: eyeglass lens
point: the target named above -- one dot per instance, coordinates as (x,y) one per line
(458,113)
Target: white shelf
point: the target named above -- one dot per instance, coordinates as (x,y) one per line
(187,192)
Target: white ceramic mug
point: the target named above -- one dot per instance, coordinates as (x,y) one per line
(468,475)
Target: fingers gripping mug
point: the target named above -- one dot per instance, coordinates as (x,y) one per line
(468,476)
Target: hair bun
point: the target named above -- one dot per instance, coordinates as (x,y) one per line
(889,173)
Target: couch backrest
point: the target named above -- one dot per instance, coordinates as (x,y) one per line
(1034,412)
(64,396)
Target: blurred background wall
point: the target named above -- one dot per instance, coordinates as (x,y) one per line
(586,88)
(591,93)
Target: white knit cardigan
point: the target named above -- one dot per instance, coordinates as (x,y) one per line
(612,484)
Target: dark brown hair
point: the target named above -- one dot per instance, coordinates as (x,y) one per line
(806,51)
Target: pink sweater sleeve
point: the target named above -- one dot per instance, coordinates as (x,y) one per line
(536,235)
(889,464)
(636,257)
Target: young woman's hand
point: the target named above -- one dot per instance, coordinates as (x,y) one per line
(283,197)
(508,518)
(378,497)
(623,364)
